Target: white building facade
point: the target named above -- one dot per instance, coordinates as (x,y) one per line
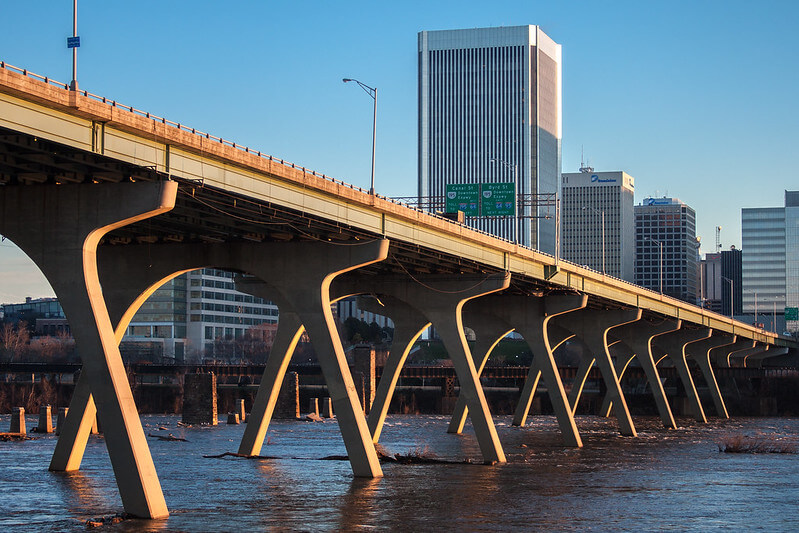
(189,317)
(770,246)
(490,112)
(598,222)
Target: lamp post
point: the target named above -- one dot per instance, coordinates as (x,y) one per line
(602,213)
(732,297)
(74,43)
(372,92)
(515,194)
(660,270)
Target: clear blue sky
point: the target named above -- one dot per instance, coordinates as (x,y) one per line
(695,99)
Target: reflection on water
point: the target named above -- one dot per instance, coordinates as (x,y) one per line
(662,479)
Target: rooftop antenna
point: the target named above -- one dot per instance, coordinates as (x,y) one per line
(583,168)
(718,239)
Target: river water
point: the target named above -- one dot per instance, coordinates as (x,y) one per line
(661,480)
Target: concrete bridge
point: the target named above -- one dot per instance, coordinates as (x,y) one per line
(111,202)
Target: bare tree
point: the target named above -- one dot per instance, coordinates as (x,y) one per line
(14,340)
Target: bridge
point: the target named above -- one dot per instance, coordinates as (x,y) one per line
(111,202)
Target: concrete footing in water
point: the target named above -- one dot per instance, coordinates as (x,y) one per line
(45,420)
(18,421)
(199,399)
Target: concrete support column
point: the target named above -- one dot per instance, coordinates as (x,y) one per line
(675,345)
(364,364)
(299,275)
(62,415)
(79,420)
(440,300)
(639,336)
(200,399)
(543,365)
(593,327)
(45,419)
(530,317)
(722,356)
(409,324)
(756,360)
(578,383)
(288,401)
(60,228)
(699,351)
(622,356)
(18,421)
(289,331)
(489,331)
(739,357)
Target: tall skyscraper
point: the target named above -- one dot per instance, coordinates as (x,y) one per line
(731,286)
(597,220)
(666,256)
(490,112)
(770,239)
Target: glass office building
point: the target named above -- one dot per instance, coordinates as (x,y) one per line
(490,112)
(666,249)
(770,242)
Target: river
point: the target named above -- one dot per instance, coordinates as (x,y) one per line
(661,480)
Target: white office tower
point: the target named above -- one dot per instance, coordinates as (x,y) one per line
(770,242)
(598,223)
(489,113)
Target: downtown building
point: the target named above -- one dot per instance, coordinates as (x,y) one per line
(770,242)
(598,223)
(194,316)
(490,112)
(720,278)
(666,249)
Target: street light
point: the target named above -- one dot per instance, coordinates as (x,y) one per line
(732,297)
(660,270)
(74,43)
(602,213)
(372,92)
(515,194)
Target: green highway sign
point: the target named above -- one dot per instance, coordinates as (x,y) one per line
(481,199)
(463,197)
(792,313)
(499,199)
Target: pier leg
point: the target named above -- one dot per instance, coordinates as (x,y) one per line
(586,363)
(639,336)
(409,324)
(700,352)
(60,229)
(289,331)
(675,345)
(489,332)
(593,327)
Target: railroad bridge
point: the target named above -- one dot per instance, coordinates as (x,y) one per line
(111,202)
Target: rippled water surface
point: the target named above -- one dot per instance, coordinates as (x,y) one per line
(660,480)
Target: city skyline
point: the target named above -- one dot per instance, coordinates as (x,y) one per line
(656,90)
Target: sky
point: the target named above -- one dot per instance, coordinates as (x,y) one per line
(695,99)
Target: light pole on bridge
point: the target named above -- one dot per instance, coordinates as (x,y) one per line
(732,297)
(372,92)
(74,42)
